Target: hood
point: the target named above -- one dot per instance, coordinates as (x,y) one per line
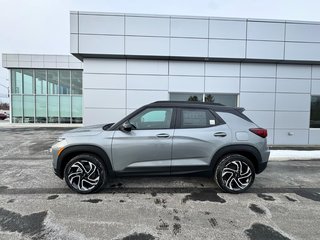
(85,131)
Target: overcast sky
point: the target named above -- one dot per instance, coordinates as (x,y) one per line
(42,26)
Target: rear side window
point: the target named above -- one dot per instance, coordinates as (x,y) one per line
(197,118)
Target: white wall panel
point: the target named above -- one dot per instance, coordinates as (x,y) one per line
(303,32)
(50,64)
(13,57)
(293,71)
(266,31)
(147,82)
(101,44)
(186,84)
(95,98)
(294,120)
(74,43)
(299,137)
(50,58)
(315,89)
(257,101)
(222,69)
(316,71)
(255,84)
(314,136)
(292,102)
(37,64)
(263,119)
(101,24)
(270,137)
(104,81)
(25,58)
(227,48)
(147,66)
(97,65)
(222,84)
(74,65)
(145,97)
(265,49)
(24,64)
(190,47)
(147,26)
(227,29)
(189,27)
(147,46)
(92,116)
(74,24)
(293,85)
(186,68)
(302,51)
(258,70)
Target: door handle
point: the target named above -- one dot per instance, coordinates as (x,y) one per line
(163,135)
(220,134)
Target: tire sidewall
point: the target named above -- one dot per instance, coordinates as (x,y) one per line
(223,162)
(97,162)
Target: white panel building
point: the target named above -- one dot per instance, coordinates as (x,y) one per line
(269,67)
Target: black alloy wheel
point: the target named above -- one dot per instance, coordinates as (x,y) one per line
(85,173)
(234,173)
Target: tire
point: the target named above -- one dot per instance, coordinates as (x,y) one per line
(234,173)
(85,174)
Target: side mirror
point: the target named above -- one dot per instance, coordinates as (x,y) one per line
(126,127)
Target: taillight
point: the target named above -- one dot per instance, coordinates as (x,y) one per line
(260,132)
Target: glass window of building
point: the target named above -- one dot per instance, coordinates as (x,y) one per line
(46,96)
(16,81)
(16,105)
(186,97)
(315,112)
(28,109)
(76,109)
(53,81)
(41,109)
(65,109)
(41,82)
(64,76)
(53,109)
(76,82)
(224,99)
(28,81)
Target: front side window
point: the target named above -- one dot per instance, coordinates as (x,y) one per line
(315,112)
(152,118)
(197,118)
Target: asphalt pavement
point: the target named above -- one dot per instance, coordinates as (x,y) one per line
(283,203)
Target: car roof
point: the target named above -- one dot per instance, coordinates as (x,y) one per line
(193,104)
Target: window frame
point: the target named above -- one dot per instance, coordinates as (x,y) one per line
(219,120)
(312,127)
(150,109)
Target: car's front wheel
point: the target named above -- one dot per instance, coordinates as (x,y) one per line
(234,173)
(85,173)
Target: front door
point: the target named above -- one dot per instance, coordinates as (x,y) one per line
(147,147)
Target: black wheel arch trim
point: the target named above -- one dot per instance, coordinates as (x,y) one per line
(69,152)
(243,149)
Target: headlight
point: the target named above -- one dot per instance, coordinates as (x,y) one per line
(60,139)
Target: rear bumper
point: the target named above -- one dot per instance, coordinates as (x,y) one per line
(261,167)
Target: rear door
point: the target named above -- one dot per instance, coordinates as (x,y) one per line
(147,148)
(198,134)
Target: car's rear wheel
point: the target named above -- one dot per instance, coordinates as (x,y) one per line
(85,173)
(234,173)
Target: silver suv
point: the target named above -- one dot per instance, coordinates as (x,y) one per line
(165,137)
